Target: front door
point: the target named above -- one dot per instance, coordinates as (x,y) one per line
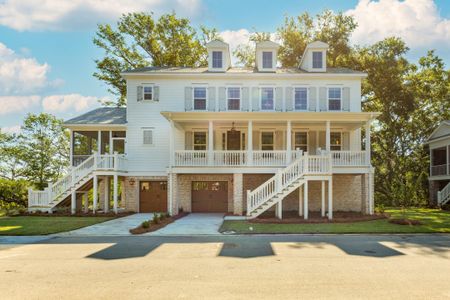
(233,140)
(153,196)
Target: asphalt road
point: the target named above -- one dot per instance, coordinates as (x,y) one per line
(228,267)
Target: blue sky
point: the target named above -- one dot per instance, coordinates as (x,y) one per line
(47,56)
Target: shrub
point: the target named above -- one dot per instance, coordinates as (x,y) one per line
(162,216)
(380,209)
(13,193)
(145,224)
(155,219)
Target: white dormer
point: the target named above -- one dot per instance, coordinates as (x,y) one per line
(266,56)
(314,58)
(219,59)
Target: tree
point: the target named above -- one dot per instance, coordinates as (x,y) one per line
(44,147)
(245,54)
(11,164)
(140,41)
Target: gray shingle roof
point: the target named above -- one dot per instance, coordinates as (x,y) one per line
(102,115)
(234,70)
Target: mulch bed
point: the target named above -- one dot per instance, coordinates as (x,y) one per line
(78,214)
(405,222)
(315,218)
(161,224)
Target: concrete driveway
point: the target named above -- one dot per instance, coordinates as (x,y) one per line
(193,224)
(229,267)
(120,226)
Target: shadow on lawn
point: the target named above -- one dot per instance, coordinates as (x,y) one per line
(261,246)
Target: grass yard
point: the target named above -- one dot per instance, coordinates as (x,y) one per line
(34,225)
(433,221)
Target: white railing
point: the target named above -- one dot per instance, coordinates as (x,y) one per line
(307,164)
(443,195)
(115,162)
(78,159)
(229,158)
(275,158)
(191,158)
(349,158)
(439,170)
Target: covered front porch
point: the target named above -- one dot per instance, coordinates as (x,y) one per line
(271,140)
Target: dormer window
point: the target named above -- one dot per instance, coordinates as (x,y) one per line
(217,59)
(317,59)
(267,60)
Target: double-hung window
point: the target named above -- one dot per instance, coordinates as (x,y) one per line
(267,60)
(199,140)
(267,97)
(301,98)
(334,98)
(217,61)
(199,98)
(317,59)
(335,141)
(267,140)
(147,93)
(301,141)
(234,98)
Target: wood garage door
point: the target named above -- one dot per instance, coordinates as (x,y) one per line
(209,196)
(153,196)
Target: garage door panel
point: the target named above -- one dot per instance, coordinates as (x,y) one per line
(153,196)
(209,196)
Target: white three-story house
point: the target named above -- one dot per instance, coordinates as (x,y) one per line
(241,141)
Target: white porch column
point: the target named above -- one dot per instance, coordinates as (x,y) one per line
(279,210)
(172,144)
(305,200)
(330,198)
(447,158)
(210,143)
(323,199)
(368,150)
(250,143)
(327,137)
(99,142)
(106,194)
(115,193)
(73,202)
(71,147)
(288,142)
(110,143)
(86,202)
(95,194)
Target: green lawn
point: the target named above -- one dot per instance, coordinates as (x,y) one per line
(433,220)
(31,225)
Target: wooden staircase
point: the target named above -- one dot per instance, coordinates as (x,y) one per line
(443,195)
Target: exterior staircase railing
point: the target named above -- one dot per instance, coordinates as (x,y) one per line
(303,165)
(62,187)
(443,195)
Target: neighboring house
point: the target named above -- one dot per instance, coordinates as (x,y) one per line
(439,180)
(223,139)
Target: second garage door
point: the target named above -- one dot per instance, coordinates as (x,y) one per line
(209,196)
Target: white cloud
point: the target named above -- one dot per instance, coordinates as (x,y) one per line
(418,22)
(20,75)
(74,102)
(75,14)
(11,129)
(13,104)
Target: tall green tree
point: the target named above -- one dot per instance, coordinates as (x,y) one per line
(245,53)
(11,163)
(141,41)
(44,148)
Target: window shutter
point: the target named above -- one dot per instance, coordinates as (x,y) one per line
(345,141)
(289,104)
(245,99)
(222,99)
(147,137)
(255,99)
(346,98)
(211,98)
(255,140)
(139,95)
(312,143)
(323,99)
(188,140)
(156,93)
(188,98)
(278,99)
(312,100)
